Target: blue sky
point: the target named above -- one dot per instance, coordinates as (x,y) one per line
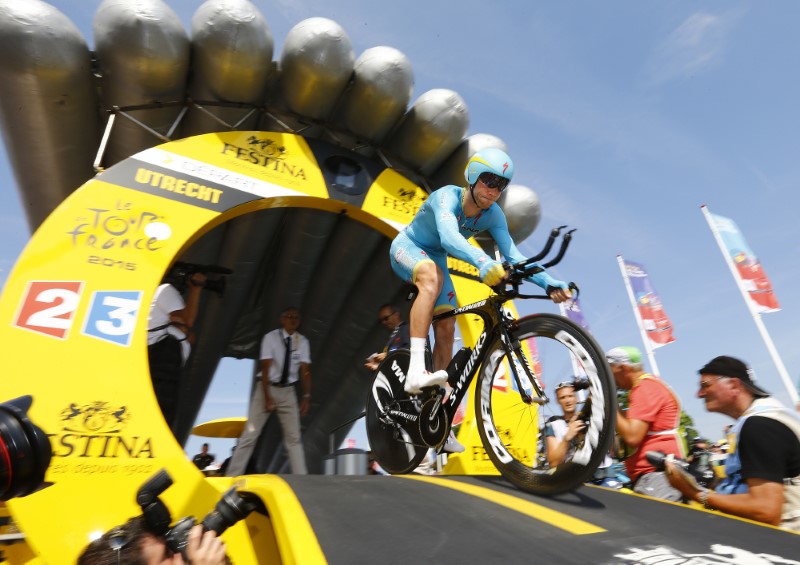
(624,117)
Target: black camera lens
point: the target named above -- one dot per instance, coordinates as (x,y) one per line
(25,450)
(231,508)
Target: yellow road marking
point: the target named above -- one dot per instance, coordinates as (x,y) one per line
(535,511)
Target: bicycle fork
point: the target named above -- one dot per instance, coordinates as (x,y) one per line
(516,356)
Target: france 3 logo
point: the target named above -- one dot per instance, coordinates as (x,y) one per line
(49,308)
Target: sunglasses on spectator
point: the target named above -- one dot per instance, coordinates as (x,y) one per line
(117,540)
(492,180)
(386,317)
(708,384)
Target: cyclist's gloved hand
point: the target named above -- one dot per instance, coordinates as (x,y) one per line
(548,283)
(492,273)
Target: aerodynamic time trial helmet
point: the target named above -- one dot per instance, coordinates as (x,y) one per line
(489,160)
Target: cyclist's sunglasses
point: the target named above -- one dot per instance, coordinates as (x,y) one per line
(565,384)
(494,181)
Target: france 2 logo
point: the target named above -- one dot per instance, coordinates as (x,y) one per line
(48,307)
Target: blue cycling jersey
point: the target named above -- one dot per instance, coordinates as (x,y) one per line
(440,228)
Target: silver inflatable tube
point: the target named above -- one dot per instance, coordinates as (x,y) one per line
(316,65)
(47,104)
(143,55)
(522,209)
(232,49)
(382,85)
(430,131)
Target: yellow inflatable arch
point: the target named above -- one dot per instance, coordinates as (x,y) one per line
(74,315)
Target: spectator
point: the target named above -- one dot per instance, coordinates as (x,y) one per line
(562,431)
(169,338)
(762,470)
(651,423)
(440,228)
(133,543)
(390,317)
(285,361)
(223,469)
(204,458)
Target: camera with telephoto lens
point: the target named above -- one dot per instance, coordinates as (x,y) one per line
(231,508)
(25,450)
(181,273)
(699,468)
(658,459)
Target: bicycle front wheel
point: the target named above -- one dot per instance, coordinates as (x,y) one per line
(512,431)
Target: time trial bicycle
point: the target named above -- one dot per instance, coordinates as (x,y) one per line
(517,363)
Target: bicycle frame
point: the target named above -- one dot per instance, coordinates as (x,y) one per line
(496,323)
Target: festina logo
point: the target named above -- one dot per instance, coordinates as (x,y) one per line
(265,153)
(95,429)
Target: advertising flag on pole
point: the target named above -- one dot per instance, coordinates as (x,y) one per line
(572,310)
(655,322)
(747,270)
(753,284)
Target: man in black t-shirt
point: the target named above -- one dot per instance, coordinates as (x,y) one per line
(204,458)
(763,467)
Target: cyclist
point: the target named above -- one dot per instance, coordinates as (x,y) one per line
(440,228)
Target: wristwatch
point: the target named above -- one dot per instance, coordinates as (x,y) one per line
(702,498)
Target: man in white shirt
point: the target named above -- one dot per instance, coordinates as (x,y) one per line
(169,338)
(285,361)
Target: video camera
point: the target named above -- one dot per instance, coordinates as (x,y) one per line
(181,272)
(25,450)
(231,508)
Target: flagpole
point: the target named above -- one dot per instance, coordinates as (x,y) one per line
(645,340)
(776,358)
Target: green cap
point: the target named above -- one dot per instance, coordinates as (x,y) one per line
(624,355)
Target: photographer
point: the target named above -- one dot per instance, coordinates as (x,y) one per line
(762,470)
(133,544)
(169,336)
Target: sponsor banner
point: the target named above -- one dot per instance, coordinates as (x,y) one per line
(394,199)
(234,158)
(572,310)
(654,319)
(750,275)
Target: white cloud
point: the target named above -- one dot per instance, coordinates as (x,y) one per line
(695,46)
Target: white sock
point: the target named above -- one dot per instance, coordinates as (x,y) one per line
(417,362)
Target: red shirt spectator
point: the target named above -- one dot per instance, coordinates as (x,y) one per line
(652,402)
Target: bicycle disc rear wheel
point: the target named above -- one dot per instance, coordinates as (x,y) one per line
(393,418)
(511,430)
